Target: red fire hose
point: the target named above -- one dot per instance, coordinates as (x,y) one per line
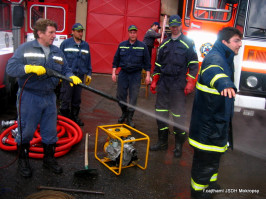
(68,133)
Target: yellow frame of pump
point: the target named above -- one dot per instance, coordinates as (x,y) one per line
(105,160)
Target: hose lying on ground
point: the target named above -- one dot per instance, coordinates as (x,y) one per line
(68,133)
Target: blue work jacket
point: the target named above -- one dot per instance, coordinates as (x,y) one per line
(78,56)
(212,113)
(132,57)
(177,58)
(31,53)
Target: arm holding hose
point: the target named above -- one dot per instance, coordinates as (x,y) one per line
(40,70)
(36,69)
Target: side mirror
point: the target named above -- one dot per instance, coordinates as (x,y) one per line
(18,16)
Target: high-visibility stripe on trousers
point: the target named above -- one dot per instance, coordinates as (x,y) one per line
(204,169)
(170,102)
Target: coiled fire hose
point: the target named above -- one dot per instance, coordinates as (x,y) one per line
(68,133)
(64,125)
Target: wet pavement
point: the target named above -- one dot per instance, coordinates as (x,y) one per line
(242,172)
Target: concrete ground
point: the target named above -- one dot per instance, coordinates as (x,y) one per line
(241,173)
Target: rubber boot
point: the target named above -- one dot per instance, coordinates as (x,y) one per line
(23,160)
(178,147)
(162,143)
(179,141)
(49,159)
(123,116)
(65,112)
(129,119)
(74,116)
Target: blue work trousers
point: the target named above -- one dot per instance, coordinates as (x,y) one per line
(37,109)
(70,96)
(128,84)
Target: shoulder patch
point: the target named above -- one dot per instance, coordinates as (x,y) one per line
(205,49)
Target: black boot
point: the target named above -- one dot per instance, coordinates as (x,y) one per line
(23,160)
(74,116)
(65,112)
(179,141)
(49,159)
(129,119)
(123,116)
(178,150)
(162,143)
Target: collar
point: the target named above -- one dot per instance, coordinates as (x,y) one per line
(72,41)
(224,50)
(179,38)
(36,44)
(134,44)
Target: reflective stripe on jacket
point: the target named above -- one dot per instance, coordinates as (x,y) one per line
(31,53)
(177,58)
(132,57)
(211,113)
(78,56)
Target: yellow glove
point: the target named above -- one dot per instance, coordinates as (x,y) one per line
(76,80)
(37,69)
(87,80)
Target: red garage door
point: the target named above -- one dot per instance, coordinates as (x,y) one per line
(107,23)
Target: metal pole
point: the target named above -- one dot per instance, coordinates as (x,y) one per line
(68,190)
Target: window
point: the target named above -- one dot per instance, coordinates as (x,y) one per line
(256,25)
(188,11)
(4,17)
(213,10)
(55,13)
(241,15)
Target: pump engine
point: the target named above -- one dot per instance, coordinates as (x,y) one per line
(113,147)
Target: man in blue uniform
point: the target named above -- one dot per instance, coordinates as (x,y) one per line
(174,76)
(132,56)
(212,111)
(78,57)
(38,100)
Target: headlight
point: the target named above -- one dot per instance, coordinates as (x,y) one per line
(252,81)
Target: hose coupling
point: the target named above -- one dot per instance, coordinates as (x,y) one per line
(5,124)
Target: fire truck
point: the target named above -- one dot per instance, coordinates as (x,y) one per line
(202,19)
(15,29)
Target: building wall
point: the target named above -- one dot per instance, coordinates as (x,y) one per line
(81,14)
(109,21)
(168,7)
